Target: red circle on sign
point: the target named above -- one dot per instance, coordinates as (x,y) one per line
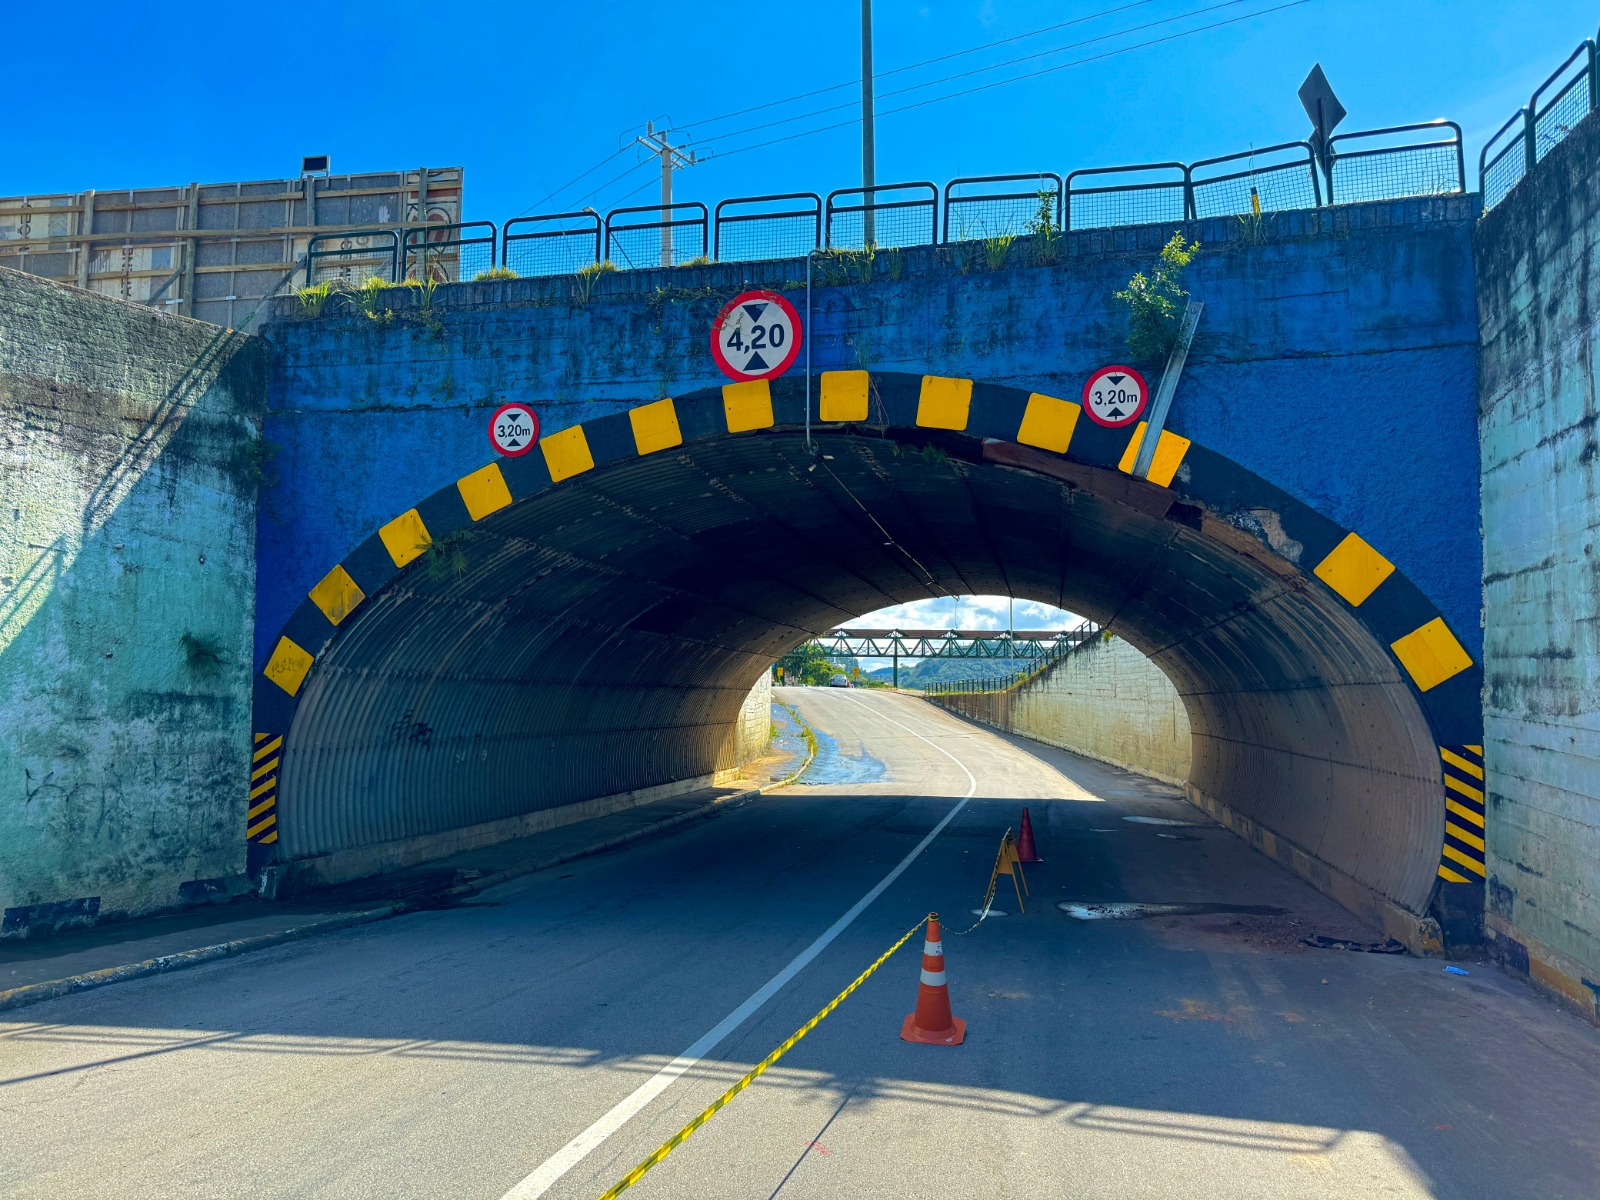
(504,435)
(1119,413)
(788,323)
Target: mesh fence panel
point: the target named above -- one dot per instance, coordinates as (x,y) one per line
(1280,189)
(551,252)
(1392,174)
(1558,116)
(353,261)
(969,218)
(1134,205)
(900,216)
(1504,172)
(756,238)
(633,248)
(449,262)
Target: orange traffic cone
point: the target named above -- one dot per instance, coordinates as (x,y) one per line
(932,1022)
(1025,851)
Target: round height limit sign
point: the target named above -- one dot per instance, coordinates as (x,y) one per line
(514,430)
(1115,396)
(755,336)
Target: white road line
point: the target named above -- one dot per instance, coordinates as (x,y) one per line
(563,1160)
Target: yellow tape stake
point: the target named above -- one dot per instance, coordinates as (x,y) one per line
(677,1139)
(1003,861)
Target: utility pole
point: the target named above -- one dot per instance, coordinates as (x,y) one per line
(671,157)
(869,153)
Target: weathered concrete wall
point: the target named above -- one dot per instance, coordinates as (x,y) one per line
(129,467)
(1538,256)
(1105,700)
(753,729)
(1309,334)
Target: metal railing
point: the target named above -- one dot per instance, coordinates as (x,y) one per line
(909,216)
(974,208)
(552,244)
(1567,95)
(1077,636)
(1142,194)
(673,236)
(1409,163)
(449,253)
(1277,178)
(359,255)
(761,228)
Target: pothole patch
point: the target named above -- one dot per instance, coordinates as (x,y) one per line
(1129,911)
(1162,821)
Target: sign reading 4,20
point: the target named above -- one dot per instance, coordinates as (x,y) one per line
(755,336)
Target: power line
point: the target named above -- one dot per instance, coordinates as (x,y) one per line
(1016,78)
(915,87)
(928,62)
(575,179)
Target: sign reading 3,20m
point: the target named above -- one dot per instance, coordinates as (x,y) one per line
(1115,396)
(755,336)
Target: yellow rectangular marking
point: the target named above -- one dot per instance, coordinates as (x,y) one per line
(265,768)
(844,396)
(655,426)
(1478,750)
(1049,423)
(288,665)
(1462,811)
(270,820)
(405,537)
(1164,464)
(266,750)
(944,403)
(337,595)
(747,405)
(1466,789)
(270,838)
(1450,876)
(266,785)
(261,737)
(1464,835)
(1431,654)
(260,808)
(1470,864)
(1455,760)
(566,453)
(1354,570)
(484,491)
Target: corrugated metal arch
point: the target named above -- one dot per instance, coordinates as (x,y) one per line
(585,620)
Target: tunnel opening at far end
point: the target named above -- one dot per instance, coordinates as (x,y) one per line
(598,635)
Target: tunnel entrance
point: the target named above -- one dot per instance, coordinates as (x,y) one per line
(587,620)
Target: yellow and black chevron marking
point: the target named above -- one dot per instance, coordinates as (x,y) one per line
(1461,860)
(261,823)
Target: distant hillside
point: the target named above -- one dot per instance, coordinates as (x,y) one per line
(943,670)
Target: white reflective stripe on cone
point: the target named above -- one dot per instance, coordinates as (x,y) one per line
(933,978)
(935,948)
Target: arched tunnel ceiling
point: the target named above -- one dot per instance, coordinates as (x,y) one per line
(596,634)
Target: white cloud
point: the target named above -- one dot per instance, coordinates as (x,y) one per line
(972,612)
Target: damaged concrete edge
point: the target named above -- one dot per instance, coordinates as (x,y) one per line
(35,993)
(1549,970)
(1420,935)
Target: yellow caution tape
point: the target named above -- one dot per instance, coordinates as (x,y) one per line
(677,1139)
(1004,861)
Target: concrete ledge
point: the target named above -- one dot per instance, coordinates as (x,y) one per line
(1420,935)
(360,862)
(1548,969)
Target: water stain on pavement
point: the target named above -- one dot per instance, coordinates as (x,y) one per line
(835,765)
(1138,912)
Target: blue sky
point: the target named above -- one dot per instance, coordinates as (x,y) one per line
(527,96)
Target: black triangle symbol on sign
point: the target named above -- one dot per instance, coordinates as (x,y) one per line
(755,310)
(513,443)
(755,363)
(1116,378)
(1115,414)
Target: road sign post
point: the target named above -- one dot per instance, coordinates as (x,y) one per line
(514,430)
(757,335)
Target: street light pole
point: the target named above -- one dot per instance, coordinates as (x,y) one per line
(869,155)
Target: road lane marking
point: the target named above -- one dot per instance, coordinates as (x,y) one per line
(545,1176)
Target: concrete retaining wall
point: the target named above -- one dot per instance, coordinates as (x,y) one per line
(1538,256)
(130,459)
(1104,700)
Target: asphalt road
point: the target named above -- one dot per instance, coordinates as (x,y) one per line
(500,1048)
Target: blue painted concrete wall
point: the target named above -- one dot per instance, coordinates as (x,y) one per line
(1336,359)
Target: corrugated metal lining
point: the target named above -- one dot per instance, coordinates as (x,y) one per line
(607,630)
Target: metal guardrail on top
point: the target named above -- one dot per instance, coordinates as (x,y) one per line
(1569,94)
(1378,164)
(1070,640)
